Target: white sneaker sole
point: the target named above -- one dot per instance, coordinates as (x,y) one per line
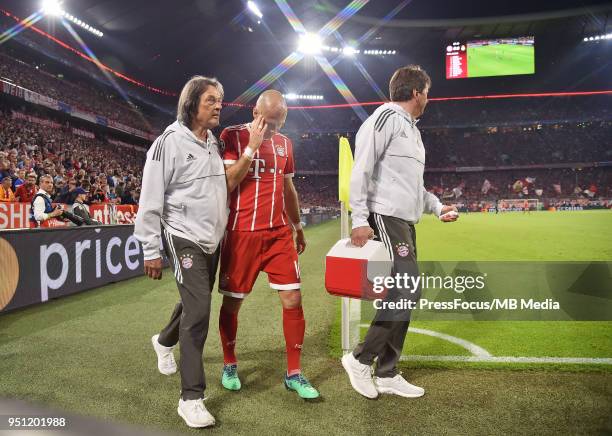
(393,391)
(352,380)
(192,425)
(164,372)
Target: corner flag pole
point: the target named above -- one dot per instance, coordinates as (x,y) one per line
(345,166)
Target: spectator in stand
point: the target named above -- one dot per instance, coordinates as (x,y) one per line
(20,180)
(99,196)
(80,209)
(68,193)
(5,169)
(119,190)
(6,193)
(112,196)
(127,197)
(42,208)
(60,188)
(25,193)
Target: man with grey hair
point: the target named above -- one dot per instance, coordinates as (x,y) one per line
(183,204)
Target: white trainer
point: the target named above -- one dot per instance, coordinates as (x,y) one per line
(360,376)
(398,386)
(194,413)
(165,357)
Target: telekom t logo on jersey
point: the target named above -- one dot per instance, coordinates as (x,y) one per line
(257,163)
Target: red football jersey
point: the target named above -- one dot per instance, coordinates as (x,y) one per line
(258,203)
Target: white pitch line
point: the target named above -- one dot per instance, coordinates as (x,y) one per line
(471,347)
(510,359)
(482,355)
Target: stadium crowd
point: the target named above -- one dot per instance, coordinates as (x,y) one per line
(516,132)
(47,80)
(28,150)
(466,113)
(475,187)
(449,148)
(110,173)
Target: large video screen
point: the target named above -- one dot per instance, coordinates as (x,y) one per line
(490,57)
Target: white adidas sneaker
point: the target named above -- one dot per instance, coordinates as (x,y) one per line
(165,357)
(360,376)
(397,386)
(194,413)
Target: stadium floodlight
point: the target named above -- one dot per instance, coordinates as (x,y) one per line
(82,24)
(310,43)
(52,7)
(349,51)
(293,96)
(254,8)
(585,39)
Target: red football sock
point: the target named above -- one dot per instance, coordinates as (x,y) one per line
(228,326)
(293,327)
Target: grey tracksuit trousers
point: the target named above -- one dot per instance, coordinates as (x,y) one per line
(385,338)
(195,277)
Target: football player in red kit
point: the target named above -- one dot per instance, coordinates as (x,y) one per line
(264,212)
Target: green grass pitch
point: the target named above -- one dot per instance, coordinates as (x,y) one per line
(500,60)
(90,353)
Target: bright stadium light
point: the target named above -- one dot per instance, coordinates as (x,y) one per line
(349,51)
(82,24)
(292,96)
(254,8)
(310,43)
(52,7)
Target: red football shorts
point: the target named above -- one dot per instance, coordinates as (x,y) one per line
(245,254)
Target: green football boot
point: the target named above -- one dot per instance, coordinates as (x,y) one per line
(230,379)
(301,385)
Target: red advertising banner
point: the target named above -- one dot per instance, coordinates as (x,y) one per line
(17,215)
(103,212)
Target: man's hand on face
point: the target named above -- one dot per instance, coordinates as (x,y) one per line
(256,130)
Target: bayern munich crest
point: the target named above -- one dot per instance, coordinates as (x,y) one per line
(402,249)
(187,261)
(280,150)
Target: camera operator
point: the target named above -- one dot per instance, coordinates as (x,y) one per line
(42,207)
(80,209)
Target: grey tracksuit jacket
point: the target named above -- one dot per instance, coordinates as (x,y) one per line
(387,176)
(183,189)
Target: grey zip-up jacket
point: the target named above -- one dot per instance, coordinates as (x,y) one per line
(183,189)
(387,176)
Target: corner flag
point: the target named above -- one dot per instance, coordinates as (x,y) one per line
(345,166)
(351,308)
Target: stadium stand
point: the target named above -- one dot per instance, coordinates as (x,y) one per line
(45,146)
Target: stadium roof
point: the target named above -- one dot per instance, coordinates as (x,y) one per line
(163,43)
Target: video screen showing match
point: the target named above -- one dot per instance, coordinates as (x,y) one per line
(490,57)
